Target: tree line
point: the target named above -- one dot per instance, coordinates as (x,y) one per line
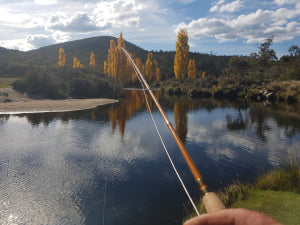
(117,65)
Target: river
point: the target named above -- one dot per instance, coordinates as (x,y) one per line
(107,165)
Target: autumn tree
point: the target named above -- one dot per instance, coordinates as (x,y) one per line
(150,67)
(111,63)
(117,64)
(104,66)
(76,63)
(181,57)
(152,72)
(158,74)
(92,59)
(192,69)
(61,57)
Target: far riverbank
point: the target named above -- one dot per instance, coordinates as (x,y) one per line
(14,103)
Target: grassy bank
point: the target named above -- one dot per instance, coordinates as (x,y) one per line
(279,205)
(211,87)
(276,194)
(7,82)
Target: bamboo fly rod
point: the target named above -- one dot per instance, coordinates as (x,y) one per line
(211,202)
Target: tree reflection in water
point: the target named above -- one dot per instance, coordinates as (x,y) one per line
(180,118)
(133,103)
(246,115)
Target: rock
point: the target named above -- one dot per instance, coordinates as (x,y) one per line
(280,99)
(199,94)
(193,93)
(271,97)
(230,94)
(204,94)
(291,99)
(218,94)
(258,97)
(178,91)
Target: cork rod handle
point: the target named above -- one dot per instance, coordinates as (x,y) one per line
(212,202)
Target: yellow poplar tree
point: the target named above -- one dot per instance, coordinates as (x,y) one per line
(158,75)
(76,63)
(203,74)
(150,68)
(181,57)
(192,69)
(122,64)
(105,69)
(117,64)
(111,59)
(61,57)
(92,59)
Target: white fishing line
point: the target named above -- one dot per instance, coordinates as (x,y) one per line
(104,199)
(138,73)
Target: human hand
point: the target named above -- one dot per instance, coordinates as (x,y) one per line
(232,217)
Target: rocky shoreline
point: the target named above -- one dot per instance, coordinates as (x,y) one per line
(269,96)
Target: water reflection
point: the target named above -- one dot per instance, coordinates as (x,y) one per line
(180,118)
(54,167)
(238,122)
(133,103)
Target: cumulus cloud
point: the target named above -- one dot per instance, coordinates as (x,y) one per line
(45,2)
(40,40)
(117,13)
(230,7)
(254,27)
(79,22)
(120,13)
(11,18)
(283,2)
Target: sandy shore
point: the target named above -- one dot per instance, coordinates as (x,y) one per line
(19,103)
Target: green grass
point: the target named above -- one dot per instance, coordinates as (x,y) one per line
(281,206)
(6,82)
(286,178)
(276,193)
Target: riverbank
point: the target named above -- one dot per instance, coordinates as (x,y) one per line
(275,194)
(12,102)
(287,92)
(280,205)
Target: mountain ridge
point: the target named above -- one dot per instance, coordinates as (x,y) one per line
(47,56)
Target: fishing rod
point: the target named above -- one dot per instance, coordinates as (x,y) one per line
(211,201)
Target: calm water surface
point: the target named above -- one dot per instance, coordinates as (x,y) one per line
(107,165)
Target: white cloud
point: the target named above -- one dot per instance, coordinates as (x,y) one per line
(17,44)
(214,8)
(254,27)
(231,7)
(283,2)
(79,22)
(120,13)
(40,40)
(45,2)
(8,17)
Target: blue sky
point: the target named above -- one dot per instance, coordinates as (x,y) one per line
(222,27)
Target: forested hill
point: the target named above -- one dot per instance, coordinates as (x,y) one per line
(17,63)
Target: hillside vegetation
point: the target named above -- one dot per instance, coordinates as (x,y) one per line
(38,72)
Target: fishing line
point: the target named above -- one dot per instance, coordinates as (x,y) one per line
(161,139)
(103,215)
